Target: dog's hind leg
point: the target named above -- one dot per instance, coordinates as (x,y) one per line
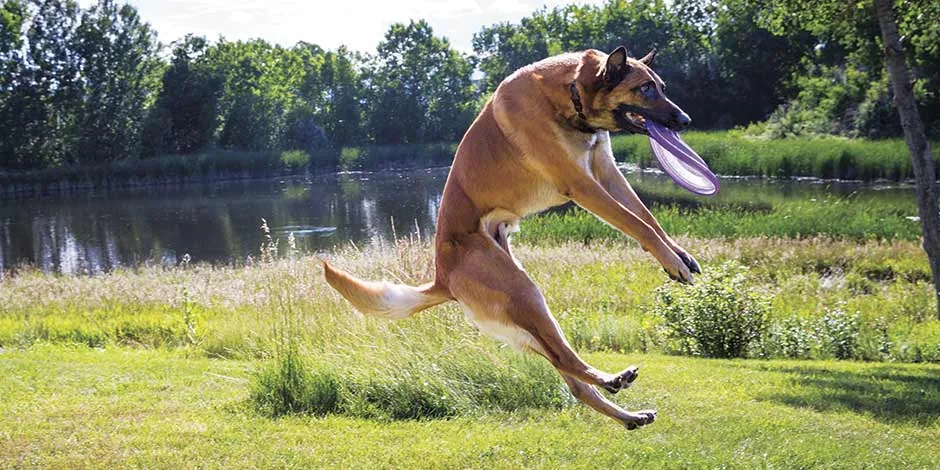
(589,396)
(504,303)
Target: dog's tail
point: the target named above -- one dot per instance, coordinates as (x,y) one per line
(384,299)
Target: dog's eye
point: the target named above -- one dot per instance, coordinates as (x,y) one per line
(648,89)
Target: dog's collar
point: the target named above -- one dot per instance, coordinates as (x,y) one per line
(581,123)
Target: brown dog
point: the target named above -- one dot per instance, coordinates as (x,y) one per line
(542,140)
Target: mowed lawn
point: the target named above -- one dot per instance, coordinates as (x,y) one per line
(74,407)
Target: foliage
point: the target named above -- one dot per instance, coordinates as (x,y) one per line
(87,86)
(839,333)
(184,118)
(295,159)
(845,76)
(421,90)
(716,317)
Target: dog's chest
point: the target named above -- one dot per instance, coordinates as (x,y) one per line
(538,198)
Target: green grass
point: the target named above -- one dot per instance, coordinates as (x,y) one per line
(751,209)
(833,218)
(733,153)
(265,366)
(81,408)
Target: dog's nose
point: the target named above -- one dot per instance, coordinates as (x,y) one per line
(683,120)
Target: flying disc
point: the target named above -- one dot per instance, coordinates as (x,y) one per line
(680,162)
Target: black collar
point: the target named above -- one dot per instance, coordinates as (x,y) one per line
(581,123)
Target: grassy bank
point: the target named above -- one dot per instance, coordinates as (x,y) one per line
(750,209)
(731,153)
(855,219)
(83,408)
(728,153)
(219,165)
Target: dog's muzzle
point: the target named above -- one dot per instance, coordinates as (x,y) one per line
(633,119)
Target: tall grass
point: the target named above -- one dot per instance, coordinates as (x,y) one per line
(217,165)
(732,153)
(336,361)
(395,156)
(602,293)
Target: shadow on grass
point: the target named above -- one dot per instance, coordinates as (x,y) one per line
(888,394)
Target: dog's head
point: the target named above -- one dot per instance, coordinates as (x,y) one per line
(627,93)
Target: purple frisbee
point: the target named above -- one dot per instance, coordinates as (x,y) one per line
(680,162)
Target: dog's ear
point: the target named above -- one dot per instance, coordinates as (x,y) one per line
(648,58)
(616,68)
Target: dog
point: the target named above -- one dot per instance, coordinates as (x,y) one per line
(542,139)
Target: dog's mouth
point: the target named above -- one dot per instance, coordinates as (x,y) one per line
(630,119)
(633,122)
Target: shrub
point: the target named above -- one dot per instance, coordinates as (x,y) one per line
(838,332)
(295,159)
(791,338)
(717,317)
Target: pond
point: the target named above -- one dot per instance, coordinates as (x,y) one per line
(220,222)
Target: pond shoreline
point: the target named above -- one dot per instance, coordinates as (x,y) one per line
(70,188)
(729,154)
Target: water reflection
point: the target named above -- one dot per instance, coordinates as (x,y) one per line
(218,223)
(93,233)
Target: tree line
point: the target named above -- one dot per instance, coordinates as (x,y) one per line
(94,85)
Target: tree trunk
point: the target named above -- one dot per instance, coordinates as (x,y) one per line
(924,173)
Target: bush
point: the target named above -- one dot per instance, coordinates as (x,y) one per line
(295,159)
(791,338)
(717,317)
(838,331)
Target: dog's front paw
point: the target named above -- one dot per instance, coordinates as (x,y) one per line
(689,261)
(622,380)
(677,269)
(640,418)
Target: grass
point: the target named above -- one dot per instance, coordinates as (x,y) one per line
(751,209)
(603,295)
(733,153)
(77,408)
(264,366)
(839,218)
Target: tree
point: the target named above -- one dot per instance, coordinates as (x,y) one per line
(342,114)
(119,71)
(420,88)
(924,172)
(184,117)
(41,87)
(261,86)
(829,16)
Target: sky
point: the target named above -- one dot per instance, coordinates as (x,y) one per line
(360,25)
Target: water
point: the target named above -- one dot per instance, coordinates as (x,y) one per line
(219,223)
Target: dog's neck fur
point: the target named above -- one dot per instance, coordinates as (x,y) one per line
(580,122)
